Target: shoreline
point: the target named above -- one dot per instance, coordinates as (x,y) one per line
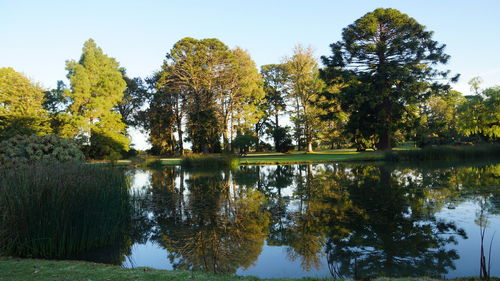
(17,269)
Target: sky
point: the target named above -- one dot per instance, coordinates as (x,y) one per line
(38,37)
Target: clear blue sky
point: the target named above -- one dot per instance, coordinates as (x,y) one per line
(37,37)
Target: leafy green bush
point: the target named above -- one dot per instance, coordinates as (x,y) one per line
(22,150)
(62,210)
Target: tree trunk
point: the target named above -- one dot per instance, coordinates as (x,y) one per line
(384,142)
(309,146)
(225,139)
(181,142)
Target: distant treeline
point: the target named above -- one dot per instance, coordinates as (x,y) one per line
(382,84)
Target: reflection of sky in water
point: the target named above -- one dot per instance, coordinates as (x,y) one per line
(274,262)
(469,249)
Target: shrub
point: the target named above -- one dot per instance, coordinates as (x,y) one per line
(22,150)
(62,211)
(210,161)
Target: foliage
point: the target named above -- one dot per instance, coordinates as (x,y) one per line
(24,150)
(305,85)
(282,139)
(21,110)
(480,114)
(243,143)
(439,115)
(97,86)
(240,106)
(216,88)
(387,60)
(446,153)
(78,208)
(211,162)
(134,97)
(274,104)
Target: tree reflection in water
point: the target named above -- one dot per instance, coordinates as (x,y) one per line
(364,220)
(216,226)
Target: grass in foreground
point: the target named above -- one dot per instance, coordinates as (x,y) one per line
(61,210)
(13,269)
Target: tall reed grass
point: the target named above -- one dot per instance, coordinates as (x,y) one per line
(224,161)
(62,211)
(446,153)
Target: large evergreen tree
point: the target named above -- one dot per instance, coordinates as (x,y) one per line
(97,87)
(21,109)
(389,61)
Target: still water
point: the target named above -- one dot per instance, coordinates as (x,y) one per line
(324,220)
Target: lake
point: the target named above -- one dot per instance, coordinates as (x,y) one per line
(323,220)
(340,220)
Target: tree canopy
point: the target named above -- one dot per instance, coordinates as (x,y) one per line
(97,86)
(21,110)
(389,62)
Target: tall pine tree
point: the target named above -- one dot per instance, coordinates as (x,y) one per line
(97,87)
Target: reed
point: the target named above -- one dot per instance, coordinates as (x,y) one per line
(62,211)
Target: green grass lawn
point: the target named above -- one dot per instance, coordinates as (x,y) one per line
(13,269)
(322,156)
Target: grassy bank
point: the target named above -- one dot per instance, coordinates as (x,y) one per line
(46,270)
(323,156)
(405,153)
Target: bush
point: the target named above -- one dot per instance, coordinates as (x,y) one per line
(23,150)
(62,211)
(210,161)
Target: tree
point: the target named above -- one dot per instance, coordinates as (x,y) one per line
(388,61)
(196,68)
(218,90)
(97,86)
(240,104)
(305,85)
(439,115)
(21,109)
(134,97)
(479,115)
(274,104)
(161,118)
